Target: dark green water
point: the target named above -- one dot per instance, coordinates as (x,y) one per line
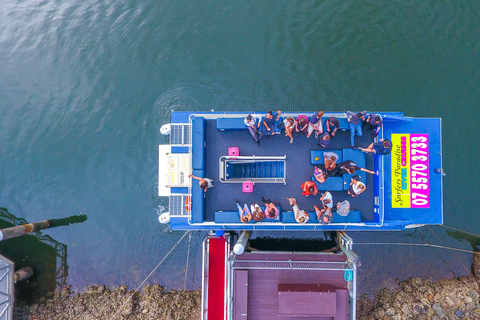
(85,86)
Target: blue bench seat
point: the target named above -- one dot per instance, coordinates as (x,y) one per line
(234,217)
(199,139)
(331,184)
(198,199)
(231,124)
(354,216)
(340,183)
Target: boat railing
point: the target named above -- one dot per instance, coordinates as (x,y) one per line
(293,265)
(205,280)
(258,169)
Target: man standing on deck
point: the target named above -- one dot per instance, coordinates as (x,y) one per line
(204,183)
(269,122)
(356,122)
(252,125)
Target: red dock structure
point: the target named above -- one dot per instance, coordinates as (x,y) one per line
(278,285)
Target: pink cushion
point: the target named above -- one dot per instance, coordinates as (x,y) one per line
(247,186)
(233,152)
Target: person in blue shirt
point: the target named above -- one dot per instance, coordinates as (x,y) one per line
(315,124)
(269,122)
(375,121)
(323,140)
(356,121)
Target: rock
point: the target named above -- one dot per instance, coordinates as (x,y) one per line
(438,309)
(430,312)
(473,294)
(449,301)
(390,311)
(459,313)
(470,306)
(406,309)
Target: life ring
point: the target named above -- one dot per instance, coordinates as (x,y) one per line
(188,204)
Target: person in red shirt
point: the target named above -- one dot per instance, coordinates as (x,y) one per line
(309,187)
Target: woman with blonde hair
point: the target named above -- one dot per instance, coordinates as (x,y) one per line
(289,124)
(301,216)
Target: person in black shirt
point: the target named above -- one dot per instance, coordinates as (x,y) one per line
(332,125)
(348,166)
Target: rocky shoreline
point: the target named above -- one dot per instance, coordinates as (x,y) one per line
(100,302)
(456,298)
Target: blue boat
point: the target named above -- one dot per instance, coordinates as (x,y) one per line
(405,191)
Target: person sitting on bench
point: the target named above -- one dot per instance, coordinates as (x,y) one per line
(271,211)
(245,215)
(330,160)
(301,216)
(289,124)
(332,125)
(356,187)
(319,175)
(252,125)
(301,124)
(324,215)
(257,213)
(269,122)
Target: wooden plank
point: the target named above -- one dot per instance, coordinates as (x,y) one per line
(240,294)
(307,299)
(342,304)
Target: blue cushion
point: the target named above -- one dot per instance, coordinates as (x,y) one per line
(289,217)
(331,184)
(319,154)
(198,199)
(231,124)
(353,217)
(198,143)
(234,217)
(359,158)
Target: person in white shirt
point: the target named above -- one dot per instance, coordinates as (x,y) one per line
(301,216)
(356,187)
(252,125)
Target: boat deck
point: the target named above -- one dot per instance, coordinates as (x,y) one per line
(298,170)
(406,191)
(263,297)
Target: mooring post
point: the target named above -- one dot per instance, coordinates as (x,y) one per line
(18,231)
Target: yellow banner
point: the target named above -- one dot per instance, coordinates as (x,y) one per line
(400,171)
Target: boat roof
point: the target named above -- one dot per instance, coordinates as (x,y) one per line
(378,208)
(276,284)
